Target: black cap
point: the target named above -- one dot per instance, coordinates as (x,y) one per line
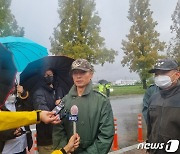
(164,64)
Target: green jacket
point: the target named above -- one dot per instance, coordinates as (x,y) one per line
(95,124)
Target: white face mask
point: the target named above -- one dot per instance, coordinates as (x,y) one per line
(163,81)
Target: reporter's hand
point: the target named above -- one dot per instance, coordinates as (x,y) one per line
(57,101)
(49,117)
(77,141)
(17,132)
(20,89)
(73,143)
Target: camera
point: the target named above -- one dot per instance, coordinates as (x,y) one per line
(63,114)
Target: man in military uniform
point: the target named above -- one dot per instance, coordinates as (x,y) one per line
(95,117)
(163,123)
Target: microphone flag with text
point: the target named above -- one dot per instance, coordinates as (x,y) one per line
(74,117)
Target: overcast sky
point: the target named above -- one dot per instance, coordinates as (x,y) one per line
(39,17)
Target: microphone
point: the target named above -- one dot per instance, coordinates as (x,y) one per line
(74,117)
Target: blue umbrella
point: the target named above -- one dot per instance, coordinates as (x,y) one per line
(24,50)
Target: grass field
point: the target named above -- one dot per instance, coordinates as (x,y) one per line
(126,90)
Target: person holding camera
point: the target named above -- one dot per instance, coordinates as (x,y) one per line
(15,140)
(18,119)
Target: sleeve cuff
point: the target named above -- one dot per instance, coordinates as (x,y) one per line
(63,151)
(38,116)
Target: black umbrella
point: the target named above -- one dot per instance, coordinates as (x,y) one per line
(103,81)
(32,75)
(7,73)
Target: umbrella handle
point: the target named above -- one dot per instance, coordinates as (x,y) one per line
(17,78)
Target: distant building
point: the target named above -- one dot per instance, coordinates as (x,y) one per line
(124,82)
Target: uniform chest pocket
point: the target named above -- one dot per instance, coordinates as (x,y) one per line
(154,112)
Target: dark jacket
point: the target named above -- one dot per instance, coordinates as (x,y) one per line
(9,134)
(44,99)
(163,117)
(4,136)
(95,123)
(148,94)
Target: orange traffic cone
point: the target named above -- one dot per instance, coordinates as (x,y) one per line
(115,141)
(140,131)
(34,149)
(35,144)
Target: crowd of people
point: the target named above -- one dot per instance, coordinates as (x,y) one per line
(94,127)
(94,135)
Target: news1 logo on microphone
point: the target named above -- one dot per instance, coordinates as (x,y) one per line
(74,113)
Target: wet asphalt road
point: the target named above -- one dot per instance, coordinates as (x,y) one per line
(126,109)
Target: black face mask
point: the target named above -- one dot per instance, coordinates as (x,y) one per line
(49,80)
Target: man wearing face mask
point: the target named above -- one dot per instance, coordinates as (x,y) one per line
(163,123)
(44,99)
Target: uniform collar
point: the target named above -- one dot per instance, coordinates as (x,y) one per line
(73,91)
(170,92)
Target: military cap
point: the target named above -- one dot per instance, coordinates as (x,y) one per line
(164,64)
(81,64)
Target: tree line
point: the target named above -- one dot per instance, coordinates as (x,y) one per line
(78,35)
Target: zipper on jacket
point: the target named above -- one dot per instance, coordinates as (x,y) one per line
(160,121)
